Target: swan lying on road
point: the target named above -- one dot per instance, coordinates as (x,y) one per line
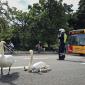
(37,67)
(40,67)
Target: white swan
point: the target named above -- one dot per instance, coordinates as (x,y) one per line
(5,60)
(37,67)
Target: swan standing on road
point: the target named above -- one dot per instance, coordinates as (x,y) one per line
(37,67)
(5,60)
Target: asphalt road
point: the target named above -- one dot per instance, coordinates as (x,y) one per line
(70,71)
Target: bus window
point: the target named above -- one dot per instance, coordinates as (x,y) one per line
(82,41)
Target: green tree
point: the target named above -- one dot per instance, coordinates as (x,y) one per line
(40,23)
(69,15)
(81,15)
(5,29)
(21,29)
(48,16)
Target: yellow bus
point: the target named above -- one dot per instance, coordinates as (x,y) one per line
(76,41)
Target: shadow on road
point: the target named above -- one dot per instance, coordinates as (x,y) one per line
(9,78)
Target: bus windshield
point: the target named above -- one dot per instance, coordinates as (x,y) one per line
(78,39)
(81,39)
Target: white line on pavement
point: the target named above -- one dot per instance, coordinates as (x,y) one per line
(17,67)
(82,63)
(29,58)
(36,58)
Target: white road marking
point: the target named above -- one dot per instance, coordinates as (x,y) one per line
(17,67)
(82,63)
(29,58)
(36,58)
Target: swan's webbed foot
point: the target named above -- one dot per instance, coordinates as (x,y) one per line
(25,69)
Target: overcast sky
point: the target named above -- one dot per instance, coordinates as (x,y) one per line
(23,4)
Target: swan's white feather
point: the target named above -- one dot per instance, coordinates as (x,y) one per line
(6,60)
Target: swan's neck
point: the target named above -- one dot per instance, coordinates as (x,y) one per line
(2,53)
(30,61)
(2,48)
